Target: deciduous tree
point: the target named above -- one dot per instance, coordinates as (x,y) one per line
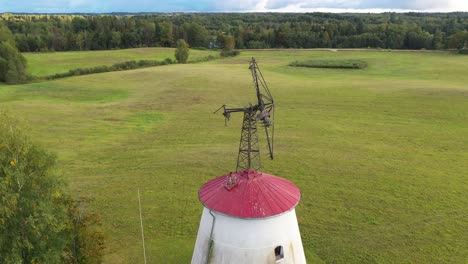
(12,63)
(182,51)
(39,222)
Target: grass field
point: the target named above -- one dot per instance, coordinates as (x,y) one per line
(44,64)
(380,154)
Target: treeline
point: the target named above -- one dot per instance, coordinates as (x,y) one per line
(254,30)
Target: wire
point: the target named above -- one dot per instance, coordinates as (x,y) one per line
(141,223)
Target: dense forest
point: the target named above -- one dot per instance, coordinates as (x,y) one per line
(40,32)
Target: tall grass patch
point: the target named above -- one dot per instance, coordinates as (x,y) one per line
(333,64)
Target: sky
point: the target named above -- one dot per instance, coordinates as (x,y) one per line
(107,6)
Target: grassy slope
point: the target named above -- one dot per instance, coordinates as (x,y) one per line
(43,64)
(379,154)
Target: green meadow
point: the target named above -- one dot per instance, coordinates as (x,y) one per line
(380,154)
(44,64)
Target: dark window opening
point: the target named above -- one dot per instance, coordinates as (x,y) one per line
(279,253)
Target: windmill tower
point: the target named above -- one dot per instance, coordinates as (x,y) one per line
(248,215)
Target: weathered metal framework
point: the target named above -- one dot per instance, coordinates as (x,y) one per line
(249,149)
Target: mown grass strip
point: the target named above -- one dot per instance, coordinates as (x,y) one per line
(336,64)
(121,66)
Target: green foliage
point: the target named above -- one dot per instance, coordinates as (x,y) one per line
(256,44)
(458,40)
(326,39)
(419,40)
(38,221)
(229,45)
(87,244)
(463,51)
(337,64)
(182,51)
(33,218)
(204,59)
(196,35)
(229,53)
(6,35)
(12,63)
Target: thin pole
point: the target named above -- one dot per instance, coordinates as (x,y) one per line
(249,151)
(141,223)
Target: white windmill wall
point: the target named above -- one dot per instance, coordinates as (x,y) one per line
(237,240)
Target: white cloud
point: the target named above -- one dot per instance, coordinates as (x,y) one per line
(234,5)
(363,5)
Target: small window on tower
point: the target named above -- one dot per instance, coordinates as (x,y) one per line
(279,253)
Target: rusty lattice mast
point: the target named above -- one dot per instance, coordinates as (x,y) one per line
(249,149)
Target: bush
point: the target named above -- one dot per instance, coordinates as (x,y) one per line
(229,53)
(204,59)
(463,51)
(337,64)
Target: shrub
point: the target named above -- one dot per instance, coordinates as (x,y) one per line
(229,53)
(204,59)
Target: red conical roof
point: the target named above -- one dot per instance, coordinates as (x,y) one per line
(249,194)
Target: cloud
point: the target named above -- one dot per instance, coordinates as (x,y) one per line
(104,6)
(233,5)
(361,4)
